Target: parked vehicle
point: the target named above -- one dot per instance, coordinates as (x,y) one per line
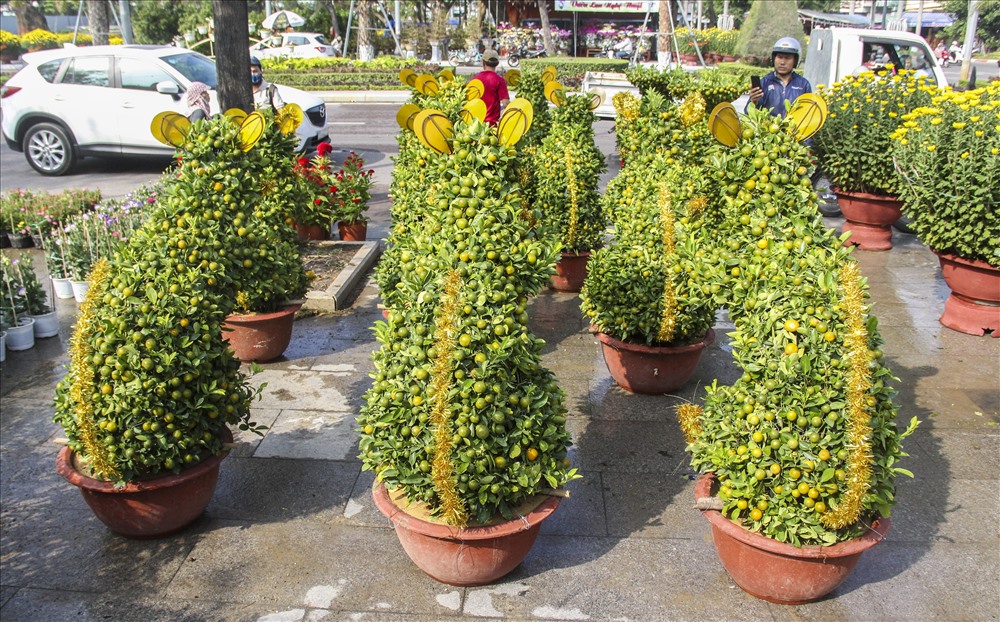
(514,57)
(837,52)
(465,57)
(99,101)
(297,44)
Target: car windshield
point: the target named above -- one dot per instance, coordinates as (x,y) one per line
(194,67)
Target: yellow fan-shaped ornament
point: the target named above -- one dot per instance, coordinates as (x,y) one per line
(474,89)
(597,95)
(513,77)
(555,92)
(473,109)
(427,85)
(446,75)
(549,75)
(434,130)
(156,126)
(808,114)
(405,76)
(405,115)
(724,124)
(235,115)
(524,106)
(514,122)
(251,130)
(174,128)
(289,118)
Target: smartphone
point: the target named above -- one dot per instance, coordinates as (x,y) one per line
(755,82)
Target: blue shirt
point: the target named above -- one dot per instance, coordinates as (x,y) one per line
(776,92)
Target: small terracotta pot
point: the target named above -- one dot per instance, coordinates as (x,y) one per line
(778,572)
(974,304)
(353,232)
(152,508)
(312,232)
(651,370)
(260,337)
(571,272)
(869,218)
(465,556)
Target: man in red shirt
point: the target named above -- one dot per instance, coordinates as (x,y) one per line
(495,94)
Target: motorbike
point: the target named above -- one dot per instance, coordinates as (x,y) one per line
(465,57)
(514,58)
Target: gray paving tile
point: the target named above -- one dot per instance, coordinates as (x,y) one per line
(32,604)
(311,434)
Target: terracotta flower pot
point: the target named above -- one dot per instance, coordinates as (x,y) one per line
(469,555)
(869,218)
(312,232)
(260,337)
(353,231)
(152,508)
(778,572)
(651,370)
(571,271)
(974,304)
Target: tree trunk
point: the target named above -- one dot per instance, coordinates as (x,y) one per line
(666,30)
(97,19)
(28,17)
(363,10)
(543,14)
(331,6)
(231,57)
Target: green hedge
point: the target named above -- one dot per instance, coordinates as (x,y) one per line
(570,71)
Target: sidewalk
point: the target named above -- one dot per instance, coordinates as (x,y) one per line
(292,533)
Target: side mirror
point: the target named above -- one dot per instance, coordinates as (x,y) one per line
(168,87)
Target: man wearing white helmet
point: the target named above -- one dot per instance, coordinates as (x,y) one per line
(782,84)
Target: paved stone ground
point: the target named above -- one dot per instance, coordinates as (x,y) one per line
(292,533)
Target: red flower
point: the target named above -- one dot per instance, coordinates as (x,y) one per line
(304,162)
(317,201)
(324,149)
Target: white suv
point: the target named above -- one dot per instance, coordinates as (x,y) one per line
(293,44)
(100,100)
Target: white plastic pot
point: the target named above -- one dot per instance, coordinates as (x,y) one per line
(63,288)
(3,346)
(80,289)
(46,325)
(22,336)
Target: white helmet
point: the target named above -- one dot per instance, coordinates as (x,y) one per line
(787,45)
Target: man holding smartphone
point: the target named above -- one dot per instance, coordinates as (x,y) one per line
(782,84)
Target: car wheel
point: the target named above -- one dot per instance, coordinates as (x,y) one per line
(48,149)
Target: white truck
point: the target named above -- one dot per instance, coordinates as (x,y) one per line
(837,52)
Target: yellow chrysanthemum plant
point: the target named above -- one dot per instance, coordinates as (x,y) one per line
(947,155)
(804,445)
(462,422)
(151,382)
(854,146)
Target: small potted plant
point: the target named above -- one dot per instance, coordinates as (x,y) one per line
(45,322)
(801,451)
(568,166)
(351,186)
(14,317)
(313,217)
(947,156)
(854,149)
(463,427)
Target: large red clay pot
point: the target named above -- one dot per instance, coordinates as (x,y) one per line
(465,556)
(869,218)
(651,370)
(152,508)
(312,232)
(571,271)
(353,231)
(974,304)
(778,572)
(260,337)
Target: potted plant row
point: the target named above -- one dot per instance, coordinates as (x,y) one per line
(340,196)
(152,383)
(947,156)
(801,452)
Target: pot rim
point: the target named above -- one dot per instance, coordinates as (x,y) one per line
(618,344)
(865,195)
(875,534)
(400,518)
(64,466)
(972,263)
(581,254)
(286,310)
